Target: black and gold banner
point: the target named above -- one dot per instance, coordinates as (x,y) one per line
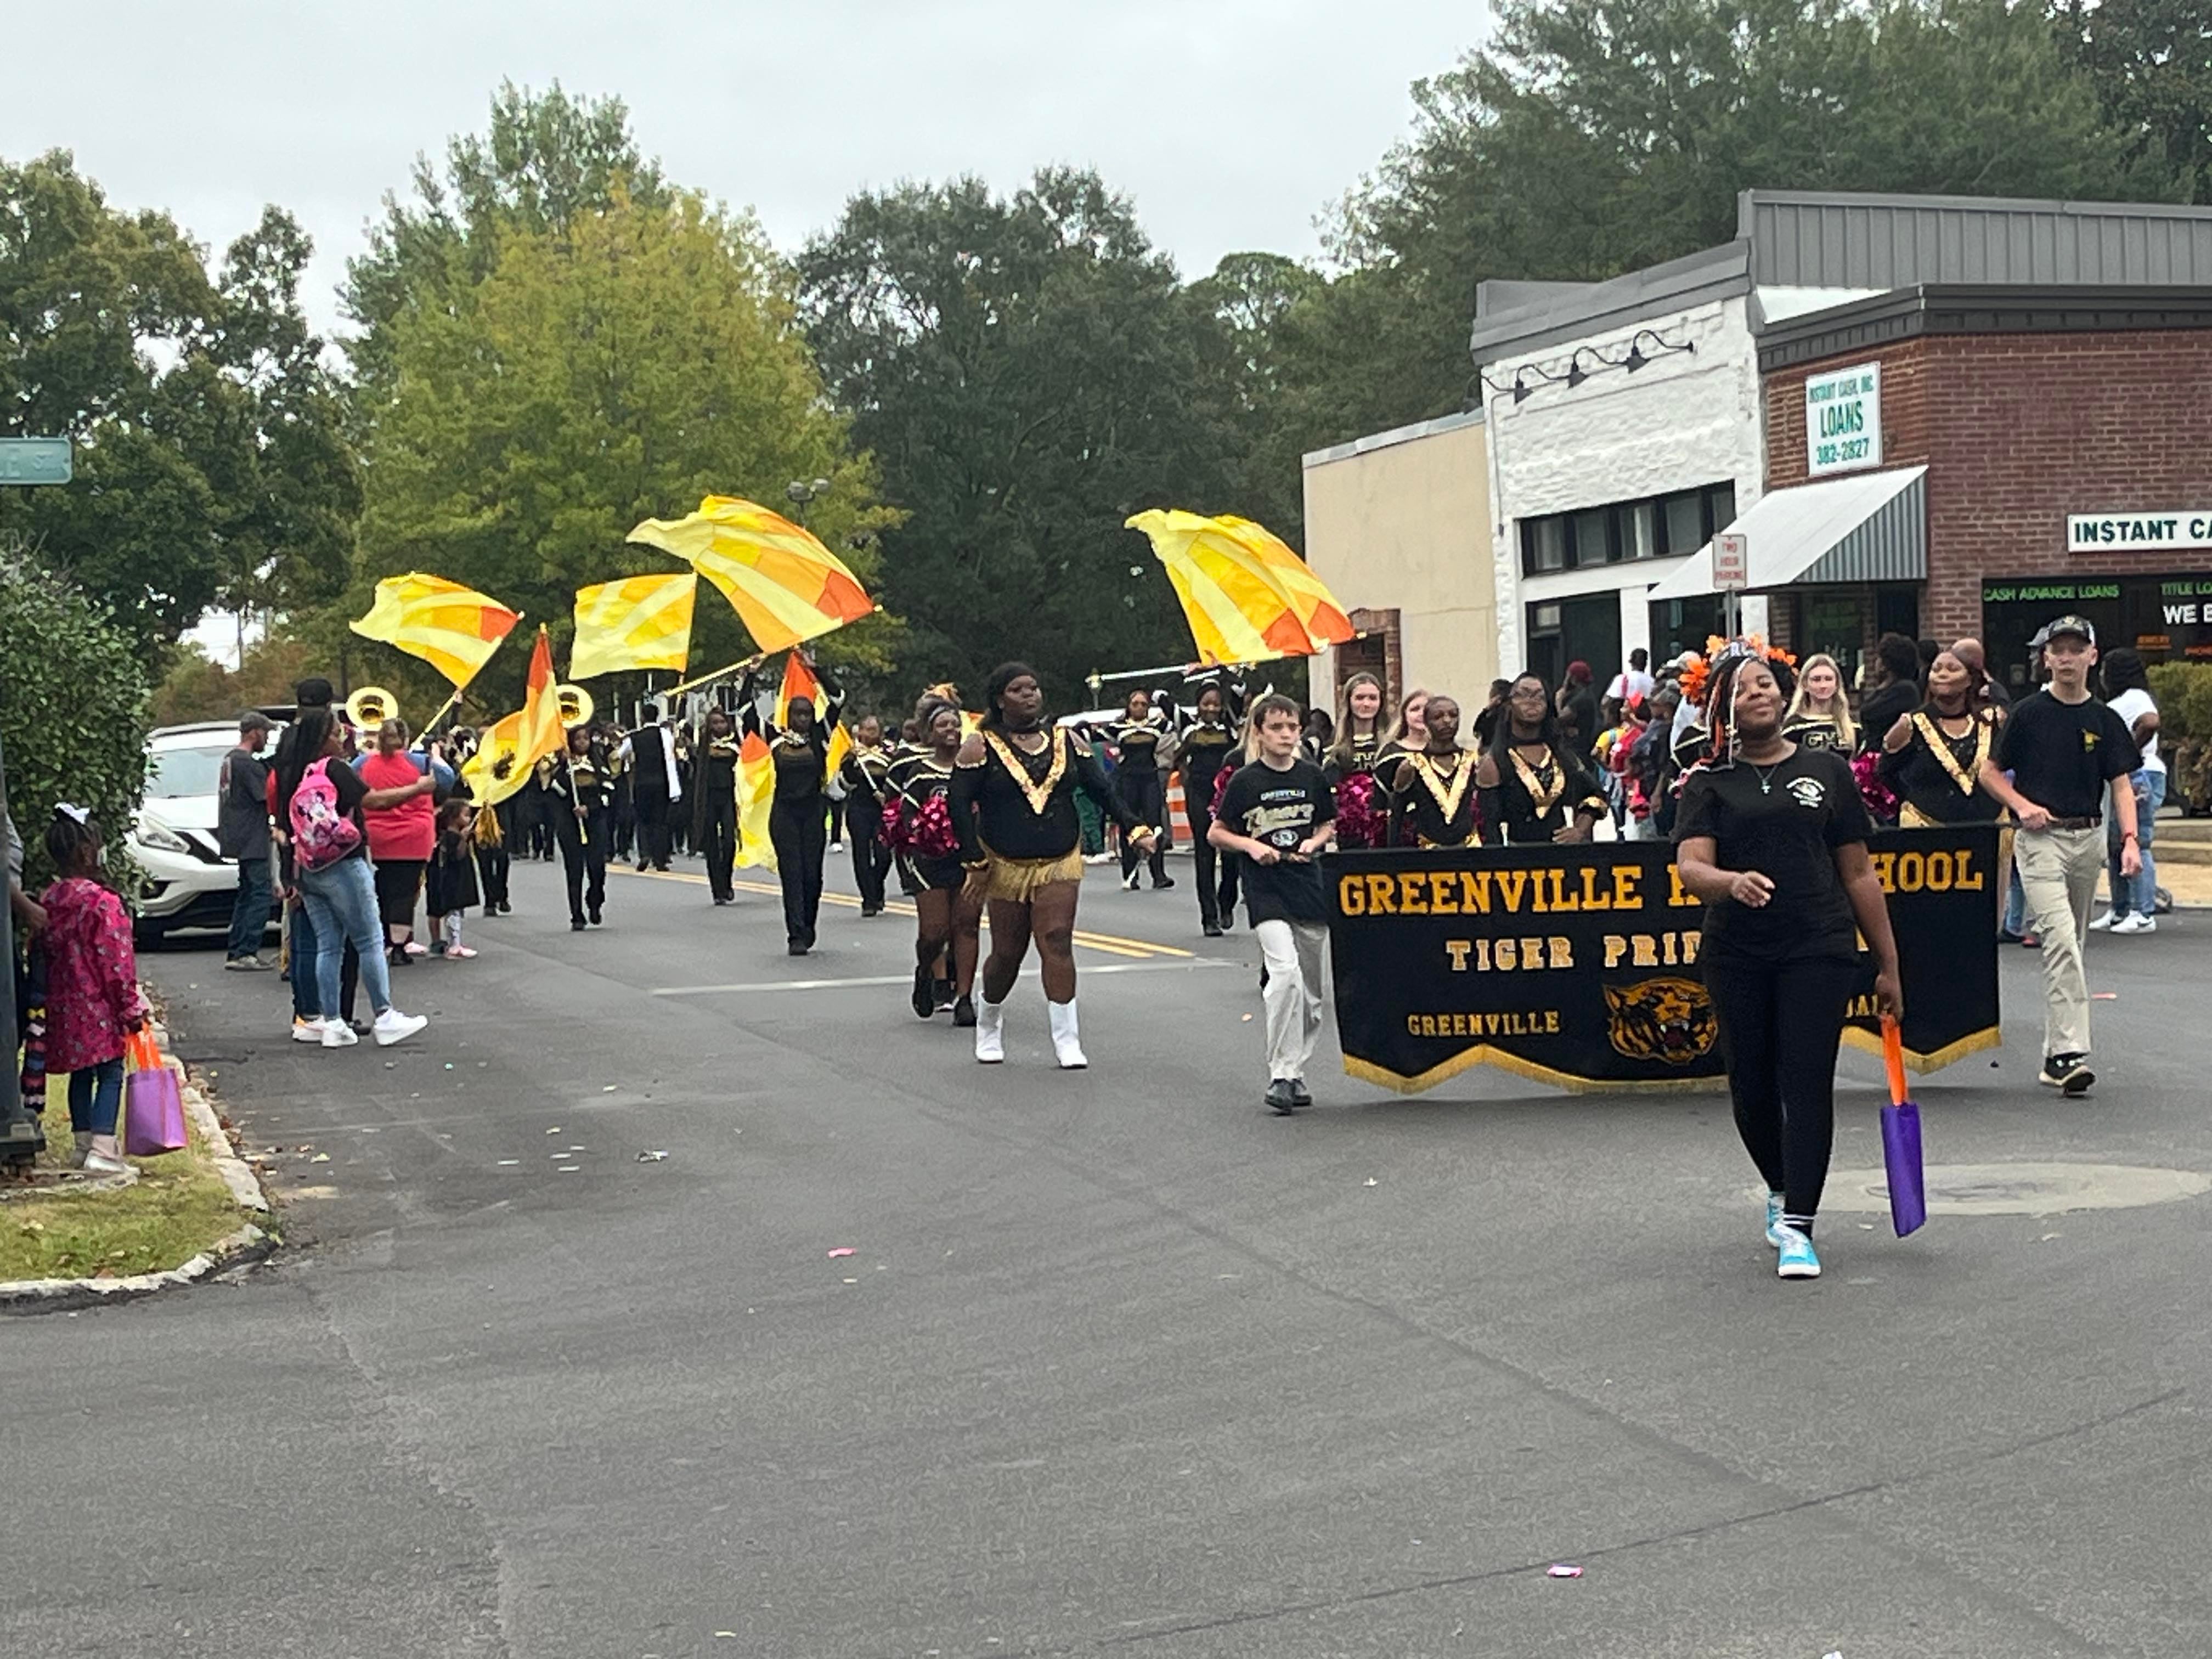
(1578,965)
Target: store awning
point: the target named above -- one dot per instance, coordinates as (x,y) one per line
(1868,527)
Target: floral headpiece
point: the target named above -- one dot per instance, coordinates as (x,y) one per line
(1697,670)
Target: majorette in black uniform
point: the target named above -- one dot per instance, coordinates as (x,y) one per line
(1937,777)
(1432,797)
(571,781)
(1137,783)
(1541,788)
(1206,753)
(866,774)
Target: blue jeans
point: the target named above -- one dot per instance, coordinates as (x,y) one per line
(342,904)
(95,1096)
(2015,914)
(306,991)
(249,912)
(2139,896)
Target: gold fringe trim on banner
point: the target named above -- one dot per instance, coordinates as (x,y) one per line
(1972,1043)
(1484,1054)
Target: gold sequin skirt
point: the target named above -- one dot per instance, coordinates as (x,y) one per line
(1018,880)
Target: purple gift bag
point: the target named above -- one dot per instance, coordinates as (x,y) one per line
(1900,1140)
(153,1105)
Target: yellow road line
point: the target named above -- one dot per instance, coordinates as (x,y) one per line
(1111,943)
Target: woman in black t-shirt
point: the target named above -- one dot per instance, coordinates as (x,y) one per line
(1932,759)
(1013,806)
(1772,837)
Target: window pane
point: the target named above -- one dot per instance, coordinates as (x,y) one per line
(1722,499)
(1546,543)
(1547,616)
(1593,538)
(1686,522)
(1639,530)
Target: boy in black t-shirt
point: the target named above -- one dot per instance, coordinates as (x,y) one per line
(2062,748)
(1278,812)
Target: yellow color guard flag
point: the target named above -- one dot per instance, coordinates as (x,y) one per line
(841,745)
(493,773)
(640,622)
(786,586)
(756,794)
(1246,596)
(454,628)
(540,733)
(799,681)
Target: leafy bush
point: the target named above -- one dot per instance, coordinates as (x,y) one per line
(72,709)
(2184,694)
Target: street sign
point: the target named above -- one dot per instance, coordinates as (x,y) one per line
(1731,562)
(34,461)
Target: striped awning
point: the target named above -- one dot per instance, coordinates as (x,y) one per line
(1868,527)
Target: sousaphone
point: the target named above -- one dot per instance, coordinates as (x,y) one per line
(370,706)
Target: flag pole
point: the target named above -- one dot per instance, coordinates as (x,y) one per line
(453,702)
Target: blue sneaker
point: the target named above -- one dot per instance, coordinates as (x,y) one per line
(1774,1221)
(1797,1260)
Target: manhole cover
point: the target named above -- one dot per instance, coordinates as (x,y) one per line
(2021,1189)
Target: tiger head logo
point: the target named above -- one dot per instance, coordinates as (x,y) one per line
(1663,1019)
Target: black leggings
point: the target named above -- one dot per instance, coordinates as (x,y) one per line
(1215,870)
(583,849)
(720,844)
(1780,1028)
(799,830)
(1142,793)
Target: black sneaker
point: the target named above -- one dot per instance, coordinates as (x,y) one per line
(1282,1096)
(925,992)
(944,998)
(963,1011)
(595,915)
(1213,930)
(1160,885)
(575,923)
(1300,1093)
(2068,1073)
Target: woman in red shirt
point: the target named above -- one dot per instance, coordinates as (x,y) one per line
(400,836)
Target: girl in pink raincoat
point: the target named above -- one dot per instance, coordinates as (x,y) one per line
(92,985)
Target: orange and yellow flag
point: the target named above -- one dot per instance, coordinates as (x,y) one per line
(640,622)
(454,628)
(756,793)
(1246,596)
(799,681)
(540,733)
(785,584)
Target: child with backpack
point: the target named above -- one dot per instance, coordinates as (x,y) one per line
(452,891)
(330,849)
(93,1000)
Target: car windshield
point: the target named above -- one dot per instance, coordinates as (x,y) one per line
(186,771)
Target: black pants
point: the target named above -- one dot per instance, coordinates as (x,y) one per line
(871,860)
(625,821)
(721,842)
(1216,870)
(492,865)
(799,831)
(1780,1028)
(1142,793)
(836,820)
(584,843)
(652,843)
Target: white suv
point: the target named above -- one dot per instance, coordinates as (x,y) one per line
(189,883)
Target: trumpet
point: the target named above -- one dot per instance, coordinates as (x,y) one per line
(576,707)
(370,706)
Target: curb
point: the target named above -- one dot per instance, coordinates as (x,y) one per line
(248,1245)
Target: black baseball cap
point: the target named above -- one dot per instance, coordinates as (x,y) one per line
(2081,627)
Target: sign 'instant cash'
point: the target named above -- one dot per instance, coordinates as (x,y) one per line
(1578,965)
(1842,419)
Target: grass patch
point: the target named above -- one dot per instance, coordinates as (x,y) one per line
(177,1207)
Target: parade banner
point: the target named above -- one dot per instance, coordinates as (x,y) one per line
(1577,966)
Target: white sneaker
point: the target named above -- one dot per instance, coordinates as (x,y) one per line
(2101,923)
(336,1034)
(392,1026)
(990,1032)
(101,1164)
(2137,923)
(1129,882)
(307,1030)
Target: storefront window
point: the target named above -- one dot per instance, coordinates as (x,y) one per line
(1594,539)
(1685,521)
(1651,528)
(1544,545)
(1639,530)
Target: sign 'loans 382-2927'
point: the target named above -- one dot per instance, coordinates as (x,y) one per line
(1842,419)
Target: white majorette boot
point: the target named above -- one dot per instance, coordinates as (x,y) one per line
(1064,1046)
(990,1031)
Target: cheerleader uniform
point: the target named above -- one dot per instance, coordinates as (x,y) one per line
(1532,803)
(1143,797)
(1207,754)
(1432,798)
(1363,801)
(866,777)
(924,865)
(1937,778)
(1015,814)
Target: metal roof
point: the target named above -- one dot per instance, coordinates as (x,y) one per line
(1844,240)
(1396,435)
(1863,527)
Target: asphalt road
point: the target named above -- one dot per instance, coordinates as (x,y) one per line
(1119,1363)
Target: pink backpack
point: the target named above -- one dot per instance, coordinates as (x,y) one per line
(321,835)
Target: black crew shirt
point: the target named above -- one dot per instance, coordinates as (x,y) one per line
(1282,809)
(2062,755)
(1785,821)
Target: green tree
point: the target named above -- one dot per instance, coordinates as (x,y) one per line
(1590,137)
(72,691)
(619,369)
(211,466)
(1028,373)
(2151,64)
(546,158)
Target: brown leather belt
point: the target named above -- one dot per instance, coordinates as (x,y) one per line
(2091,821)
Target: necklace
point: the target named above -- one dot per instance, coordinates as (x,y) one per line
(1765,773)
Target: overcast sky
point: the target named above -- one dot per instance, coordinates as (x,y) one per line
(1232,123)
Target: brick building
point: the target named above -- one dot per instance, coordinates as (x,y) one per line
(2037,411)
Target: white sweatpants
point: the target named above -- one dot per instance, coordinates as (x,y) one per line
(1292,952)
